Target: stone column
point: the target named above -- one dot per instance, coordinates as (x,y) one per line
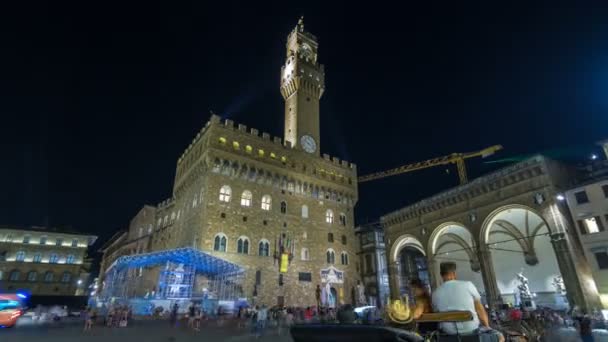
(574,269)
(432,266)
(394,275)
(568,270)
(489,277)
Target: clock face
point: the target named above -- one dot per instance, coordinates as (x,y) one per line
(305,51)
(308,143)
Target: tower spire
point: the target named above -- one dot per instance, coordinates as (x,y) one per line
(301,24)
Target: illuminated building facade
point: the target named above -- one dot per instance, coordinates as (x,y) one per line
(278,208)
(44,261)
(499,229)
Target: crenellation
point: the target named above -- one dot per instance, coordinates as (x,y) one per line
(326,157)
(265,136)
(229,123)
(255,132)
(276,140)
(215,119)
(242,128)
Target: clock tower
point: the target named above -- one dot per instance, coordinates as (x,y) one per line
(302,85)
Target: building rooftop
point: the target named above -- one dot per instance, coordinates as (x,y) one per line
(45,229)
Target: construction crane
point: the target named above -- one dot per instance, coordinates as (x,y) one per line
(454,158)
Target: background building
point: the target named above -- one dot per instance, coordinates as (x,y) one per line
(588,205)
(372,263)
(246,197)
(44,261)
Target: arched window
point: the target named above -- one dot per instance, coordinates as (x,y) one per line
(37,257)
(246,198)
(43,240)
(32,275)
(69,259)
(264,248)
(331,256)
(14,275)
(344,239)
(26,239)
(342,219)
(304,211)
(20,256)
(304,254)
(66,277)
(220,243)
(242,245)
(225,193)
(283,207)
(330,237)
(266,202)
(53,258)
(49,276)
(344,258)
(329,216)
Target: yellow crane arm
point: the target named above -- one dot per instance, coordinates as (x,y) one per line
(454,158)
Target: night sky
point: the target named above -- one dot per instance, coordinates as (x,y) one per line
(99,99)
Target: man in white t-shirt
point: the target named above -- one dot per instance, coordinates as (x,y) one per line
(460,295)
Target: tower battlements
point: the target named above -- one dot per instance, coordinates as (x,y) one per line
(229,124)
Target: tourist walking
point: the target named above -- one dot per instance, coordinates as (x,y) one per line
(191,314)
(173,315)
(88,322)
(261,323)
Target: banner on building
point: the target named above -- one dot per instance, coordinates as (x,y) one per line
(284,262)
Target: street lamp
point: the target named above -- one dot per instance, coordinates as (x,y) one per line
(594,156)
(79,282)
(560,197)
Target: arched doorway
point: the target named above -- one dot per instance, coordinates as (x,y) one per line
(334,295)
(524,262)
(407,260)
(413,265)
(453,242)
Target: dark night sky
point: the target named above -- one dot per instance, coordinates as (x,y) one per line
(98,100)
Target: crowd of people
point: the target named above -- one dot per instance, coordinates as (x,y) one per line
(113,316)
(453,295)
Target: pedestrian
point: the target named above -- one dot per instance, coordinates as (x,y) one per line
(191,314)
(173,315)
(262,317)
(197,319)
(87,320)
(254,320)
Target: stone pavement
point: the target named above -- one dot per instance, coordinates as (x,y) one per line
(138,331)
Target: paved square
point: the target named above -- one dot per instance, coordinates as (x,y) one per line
(138,331)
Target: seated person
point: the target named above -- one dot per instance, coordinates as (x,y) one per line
(423,305)
(459,295)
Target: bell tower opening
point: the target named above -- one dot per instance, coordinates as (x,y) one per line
(302,85)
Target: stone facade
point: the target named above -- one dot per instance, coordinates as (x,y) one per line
(44,261)
(529,187)
(234,183)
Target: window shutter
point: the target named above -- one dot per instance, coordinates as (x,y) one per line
(581,227)
(600,224)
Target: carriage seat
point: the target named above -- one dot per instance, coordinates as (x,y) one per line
(448,317)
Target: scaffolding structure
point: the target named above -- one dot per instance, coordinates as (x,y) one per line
(178,270)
